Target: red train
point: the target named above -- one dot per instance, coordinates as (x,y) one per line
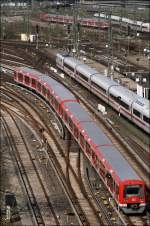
(123,183)
(88,22)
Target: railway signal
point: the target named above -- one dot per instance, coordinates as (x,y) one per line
(37,28)
(37,36)
(68,28)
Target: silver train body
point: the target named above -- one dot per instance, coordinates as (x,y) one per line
(123,100)
(135,25)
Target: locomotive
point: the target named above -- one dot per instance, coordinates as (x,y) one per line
(123,100)
(123,183)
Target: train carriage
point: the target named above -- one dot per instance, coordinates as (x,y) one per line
(88,22)
(124,185)
(119,97)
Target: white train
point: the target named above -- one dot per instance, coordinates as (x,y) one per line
(126,102)
(135,25)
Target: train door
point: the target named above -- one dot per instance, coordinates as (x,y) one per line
(49,97)
(33,83)
(76,132)
(65,117)
(102,170)
(56,104)
(27,80)
(116,191)
(39,87)
(94,158)
(110,181)
(43,90)
(70,124)
(20,77)
(88,150)
(82,140)
(60,61)
(15,75)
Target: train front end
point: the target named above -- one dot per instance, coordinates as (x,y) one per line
(132,196)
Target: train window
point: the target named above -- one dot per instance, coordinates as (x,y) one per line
(101,169)
(81,140)
(70,124)
(93,155)
(137,113)
(60,110)
(88,149)
(102,172)
(117,189)
(146,119)
(52,100)
(15,75)
(83,77)
(20,77)
(76,132)
(33,83)
(133,190)
(109,181)
(96,161)
(67,66)
(120,102)
(123,104)
(65,117)
(44,90)
(39,87)
(56,105)
(98,87)
(113,97)
(49,95)
(26,79)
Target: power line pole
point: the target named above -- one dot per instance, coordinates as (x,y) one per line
(32,5)
(110,47)
(28,28)
(75,29)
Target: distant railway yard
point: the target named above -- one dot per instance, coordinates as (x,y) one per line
(75,115)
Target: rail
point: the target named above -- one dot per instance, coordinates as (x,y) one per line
(26,183)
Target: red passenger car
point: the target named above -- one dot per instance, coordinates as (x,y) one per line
(123,183)
(88,22)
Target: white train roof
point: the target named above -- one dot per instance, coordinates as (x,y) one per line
(103,81)
(117,90)
(86,70)
(130,98)
(72,62)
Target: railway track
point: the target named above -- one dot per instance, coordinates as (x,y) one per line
(24,159)
(78,203)
(129,140)
(99,192)
(60,159)
(120,132)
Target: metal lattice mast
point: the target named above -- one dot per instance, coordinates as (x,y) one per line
(110,47)
(75,30)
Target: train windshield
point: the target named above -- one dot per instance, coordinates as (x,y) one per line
(134,190)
